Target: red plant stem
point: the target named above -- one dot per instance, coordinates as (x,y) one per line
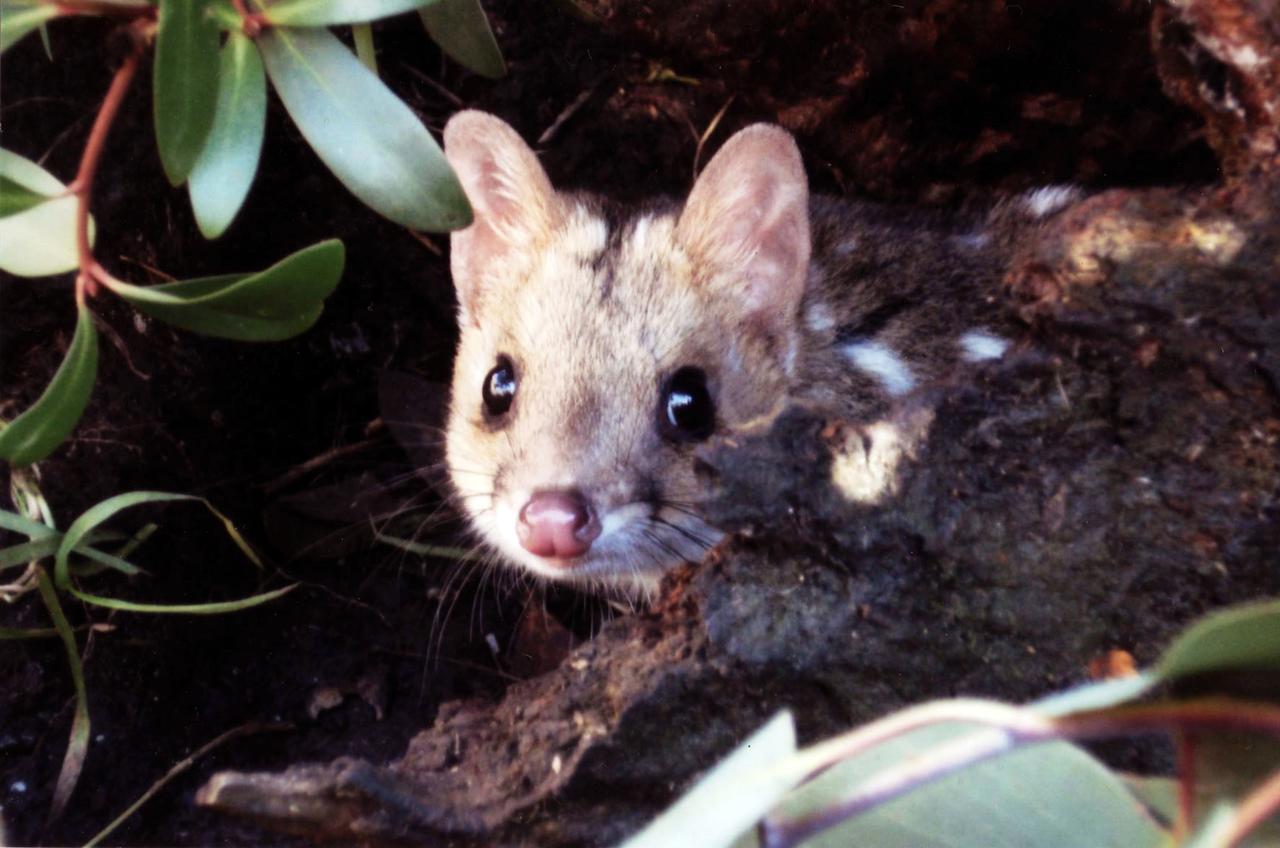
(1186,783)
(86,280)
(1260,805)
(1006,736)
(91,7)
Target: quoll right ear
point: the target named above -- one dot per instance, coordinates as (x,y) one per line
(513,204)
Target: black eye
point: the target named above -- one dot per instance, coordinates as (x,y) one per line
(499,387)
(687,412)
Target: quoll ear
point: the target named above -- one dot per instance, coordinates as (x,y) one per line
(513,204)
(747,218)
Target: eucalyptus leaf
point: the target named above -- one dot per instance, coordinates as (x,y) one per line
(185,84)
(1242,638)
(320,13)
(462,31)
(371,141)
(35,434)
(21,19)
(731,798)
(37,236)
(225,168)
(1050,794)
(274,304)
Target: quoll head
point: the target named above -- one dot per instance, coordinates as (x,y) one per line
(599,347)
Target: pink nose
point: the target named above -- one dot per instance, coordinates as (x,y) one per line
(557,524)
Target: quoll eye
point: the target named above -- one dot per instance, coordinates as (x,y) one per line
(499,387)
(688,413)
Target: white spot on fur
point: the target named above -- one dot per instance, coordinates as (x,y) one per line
(866,469)
(849,245)
(979,346)
(819,317)
(1049,199)
(973,241)
(640,231)
(883,364)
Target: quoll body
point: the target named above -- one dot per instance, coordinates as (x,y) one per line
(600,345)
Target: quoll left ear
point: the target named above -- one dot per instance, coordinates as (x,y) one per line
(747,220)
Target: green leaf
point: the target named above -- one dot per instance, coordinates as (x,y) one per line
(1158,794)
(35,434)
(100,512)
(37,237)
(1051,794)
(28,527)
(362,37)
(225,169)
(731,798)
(21,18)
(185,84)
(78,745)
(462,30)
(274,304)
(14,633)
(215,608)
(16,198)
(371,141)
(97,514)
(25,552)
(320,13)
(1242,638)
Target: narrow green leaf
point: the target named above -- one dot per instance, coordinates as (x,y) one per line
(185,84)
(1244,637)
(371,141)
(320,13)
(78,744)
(100,512)
(14,633)
(274,304)
(216,608)
(420,549)
(109,560)
(362,37)
(462,31)
(97,514)
(28,527)
(731,798)
(20,19)
(45,42)
(25,552)
(35,434)
(225,169)
(37,237)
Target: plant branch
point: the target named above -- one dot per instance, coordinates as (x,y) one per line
(90,271)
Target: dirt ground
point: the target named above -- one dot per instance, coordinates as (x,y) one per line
(922,102)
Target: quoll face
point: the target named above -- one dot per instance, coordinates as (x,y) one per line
(596,353)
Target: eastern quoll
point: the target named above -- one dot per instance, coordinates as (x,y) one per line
(599,345)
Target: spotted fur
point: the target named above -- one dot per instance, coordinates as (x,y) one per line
(774,295)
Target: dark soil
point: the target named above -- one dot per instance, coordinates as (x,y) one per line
(920,101)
